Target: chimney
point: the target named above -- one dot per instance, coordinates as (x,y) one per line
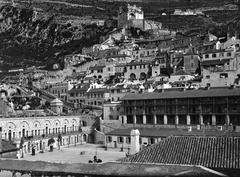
(135,146)
(189,128)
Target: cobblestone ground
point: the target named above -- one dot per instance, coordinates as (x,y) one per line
(77,154)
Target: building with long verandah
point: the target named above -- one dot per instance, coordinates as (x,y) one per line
(212,107)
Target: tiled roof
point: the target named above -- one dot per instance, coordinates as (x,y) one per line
(166,132)
(138,63)
(118,56)
(114,169)
(96,67)
(80,87)
(211,152)
(213,51)
(98,90)
(212,92)
(214,62)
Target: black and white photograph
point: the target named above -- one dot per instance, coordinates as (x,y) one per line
(119,88)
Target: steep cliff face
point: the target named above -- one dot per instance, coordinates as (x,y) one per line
(32,37)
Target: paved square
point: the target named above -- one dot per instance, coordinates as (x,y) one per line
(77,154)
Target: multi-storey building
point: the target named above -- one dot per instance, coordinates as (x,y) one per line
(77,94)
(191,62)
(97,96)
(60,90)
(35,131)
(219,106)
(220,68)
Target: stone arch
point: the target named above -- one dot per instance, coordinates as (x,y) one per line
(74,124)
(57,126)
(36,129)
(36,124)
(65,122)
(47,126)
(65,126)
(143,76)
(133,76)
(11,126)
(48,123)
(24,124)
(56,123)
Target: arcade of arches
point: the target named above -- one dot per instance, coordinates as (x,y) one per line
(37,130)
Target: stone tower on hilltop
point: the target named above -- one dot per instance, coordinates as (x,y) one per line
(131,16)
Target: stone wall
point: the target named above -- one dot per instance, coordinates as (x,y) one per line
(99,137)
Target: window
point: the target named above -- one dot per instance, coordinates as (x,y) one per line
(206,56)
(151,141)
(207,77)
(120,139)
(135,67)
(109,139)
(130,67)
(214,55)
(223,75)
(111,117)
(229,54)
(109,69)
(128,140)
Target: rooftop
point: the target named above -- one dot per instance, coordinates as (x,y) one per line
(138,63)
(214,62)
(39,168)
(166,132)
(211,152)
(212,92)
(97,90)
(96,67)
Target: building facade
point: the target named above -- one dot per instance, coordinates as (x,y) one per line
(213,107)
(220,68)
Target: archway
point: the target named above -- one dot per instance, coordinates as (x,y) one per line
(10,132)
(133,76)
(143,76)
(9,135)
(84,138)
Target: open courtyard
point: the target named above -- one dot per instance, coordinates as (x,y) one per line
(77,154)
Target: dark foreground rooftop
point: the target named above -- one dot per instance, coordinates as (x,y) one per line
(106,169)
(212,152)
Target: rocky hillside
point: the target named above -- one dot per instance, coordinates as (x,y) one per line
(30,36)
